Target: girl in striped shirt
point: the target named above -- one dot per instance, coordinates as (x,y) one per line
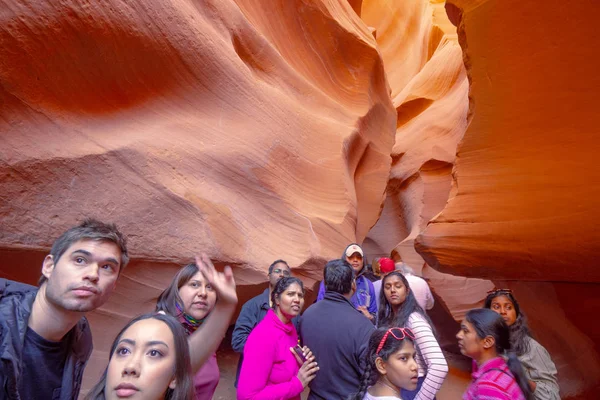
(484,337)
(391,365)
(398,307)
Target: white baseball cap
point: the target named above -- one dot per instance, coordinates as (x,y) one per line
(354,249)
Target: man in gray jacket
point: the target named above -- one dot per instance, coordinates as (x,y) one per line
(45,339)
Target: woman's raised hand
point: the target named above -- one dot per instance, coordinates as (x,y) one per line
(222,282)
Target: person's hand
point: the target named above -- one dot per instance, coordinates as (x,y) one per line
(308,355)
(532,386)
(222,282)
(309,368)
(365,311)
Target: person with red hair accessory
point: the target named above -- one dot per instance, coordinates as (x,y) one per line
(386,265)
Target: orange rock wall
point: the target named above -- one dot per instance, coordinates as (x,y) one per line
(251,130)
(429,88)
(194,125)
(258,130)
(523,209)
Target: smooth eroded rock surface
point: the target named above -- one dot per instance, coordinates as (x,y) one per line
(250,130)
(429,88)
(523,205)
(257,130)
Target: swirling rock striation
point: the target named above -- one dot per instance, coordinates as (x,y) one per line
(250,130)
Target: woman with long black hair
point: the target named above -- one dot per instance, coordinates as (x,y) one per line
(149,359)
(541,371)
(484,337)
(399,307)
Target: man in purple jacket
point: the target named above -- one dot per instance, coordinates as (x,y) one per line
(364,299)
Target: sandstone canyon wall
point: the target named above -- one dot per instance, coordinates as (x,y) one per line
(255,130)
(424,65)
(251,130)
(523,206)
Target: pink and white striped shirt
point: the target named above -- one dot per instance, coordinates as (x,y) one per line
(430,359)
(493,381)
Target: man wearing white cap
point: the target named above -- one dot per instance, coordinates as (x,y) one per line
(364,298)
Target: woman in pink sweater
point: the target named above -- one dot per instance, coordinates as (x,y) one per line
(271,370)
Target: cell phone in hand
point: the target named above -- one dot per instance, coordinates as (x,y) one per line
(300,352)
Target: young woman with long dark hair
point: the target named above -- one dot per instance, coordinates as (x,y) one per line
(541,371)
(149,359)
(391,365)
(484,337)
(398,307)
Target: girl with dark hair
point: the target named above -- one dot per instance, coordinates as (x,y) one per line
(398,307)
(485,338)
(149,360)
(364,297)
(540,370)
(271,369)
(190,298)
(391,365)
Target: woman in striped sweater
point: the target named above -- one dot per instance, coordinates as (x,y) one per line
(398,307)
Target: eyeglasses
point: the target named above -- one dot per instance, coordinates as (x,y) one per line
(406,332)
(285,272)
(499,290)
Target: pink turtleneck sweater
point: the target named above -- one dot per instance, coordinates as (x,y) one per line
(269,368)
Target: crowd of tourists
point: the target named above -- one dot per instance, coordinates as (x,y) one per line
(367,336)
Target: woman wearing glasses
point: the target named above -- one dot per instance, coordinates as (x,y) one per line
(539,368)
(391,365)
(271,369)
(399,307)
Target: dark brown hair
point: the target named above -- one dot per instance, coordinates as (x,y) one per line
(169,298)
(183,369)
(90,229)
